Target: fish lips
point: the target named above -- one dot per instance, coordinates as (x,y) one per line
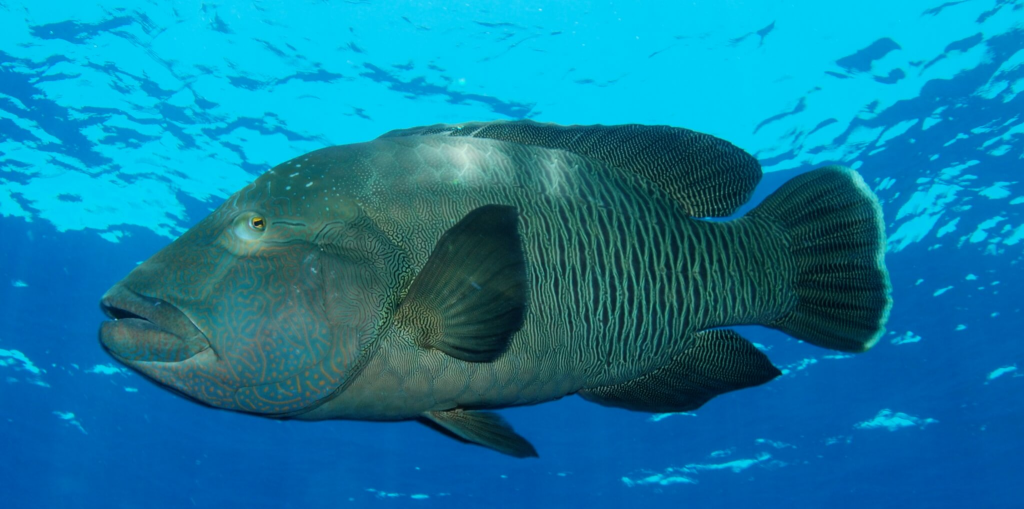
(147,329)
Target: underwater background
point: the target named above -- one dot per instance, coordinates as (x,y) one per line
(124,123)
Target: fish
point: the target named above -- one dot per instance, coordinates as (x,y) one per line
(441,273)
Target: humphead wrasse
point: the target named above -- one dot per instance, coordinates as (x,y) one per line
(438,273)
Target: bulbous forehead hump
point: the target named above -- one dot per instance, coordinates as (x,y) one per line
(320,184)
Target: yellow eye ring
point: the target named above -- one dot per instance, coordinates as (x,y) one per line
(258,223)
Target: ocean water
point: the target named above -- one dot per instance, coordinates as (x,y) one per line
(124,123)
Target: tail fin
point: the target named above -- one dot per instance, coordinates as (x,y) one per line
(837,238)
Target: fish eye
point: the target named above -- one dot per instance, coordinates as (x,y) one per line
(249,226)
(258,223)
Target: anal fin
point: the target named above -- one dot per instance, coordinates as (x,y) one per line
(718,362)
(482,428)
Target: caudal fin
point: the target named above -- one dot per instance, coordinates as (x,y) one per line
(837,238)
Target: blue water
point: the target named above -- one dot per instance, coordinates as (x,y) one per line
(122,124)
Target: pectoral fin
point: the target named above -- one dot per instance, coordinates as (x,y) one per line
(470,296)
(719,361)
(482,428)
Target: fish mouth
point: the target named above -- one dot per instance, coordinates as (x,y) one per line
(147,329)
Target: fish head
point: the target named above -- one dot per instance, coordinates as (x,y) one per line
(265,306)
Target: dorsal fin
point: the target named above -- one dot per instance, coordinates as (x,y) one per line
(709,176)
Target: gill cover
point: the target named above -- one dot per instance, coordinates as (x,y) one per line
(287,297)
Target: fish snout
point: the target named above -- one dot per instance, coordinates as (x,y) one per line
(147,329)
